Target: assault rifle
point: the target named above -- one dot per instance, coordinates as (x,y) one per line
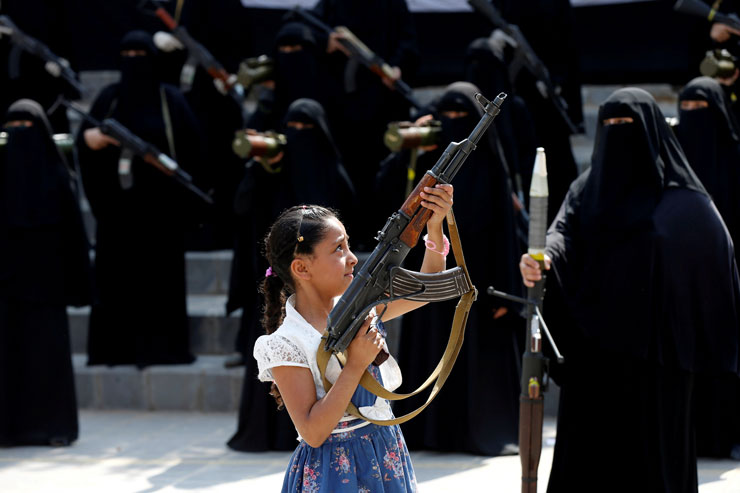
(526,57)
(381,280)
(225,82)
(138,147)
(360,52)
(55,65)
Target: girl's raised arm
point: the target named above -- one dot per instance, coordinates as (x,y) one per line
(439,200)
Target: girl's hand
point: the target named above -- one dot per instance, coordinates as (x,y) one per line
(439,200)
(530,269)
(365,346)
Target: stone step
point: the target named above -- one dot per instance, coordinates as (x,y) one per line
(204,386)
(208,272)
(212,332)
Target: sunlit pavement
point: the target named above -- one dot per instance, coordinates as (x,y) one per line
(143,452)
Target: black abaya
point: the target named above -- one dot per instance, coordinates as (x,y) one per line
(140,316)
(642,295)
(44,266)
(710,137)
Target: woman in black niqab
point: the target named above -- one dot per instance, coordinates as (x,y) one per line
(515,126)
(642,295)
(297,75)
(478,410)
(710,136)
(140,315)
(310,171)
(44,267)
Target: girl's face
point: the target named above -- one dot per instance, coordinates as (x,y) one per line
(332,263)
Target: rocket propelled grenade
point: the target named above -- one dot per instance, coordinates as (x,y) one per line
(538,197)
(534,363)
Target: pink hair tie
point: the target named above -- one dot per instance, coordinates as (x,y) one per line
(269,272)
(433,246)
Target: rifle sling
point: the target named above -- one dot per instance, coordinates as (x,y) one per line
(167,122)
(444,367)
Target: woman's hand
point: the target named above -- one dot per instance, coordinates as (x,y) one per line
(96,140)
(722,32)
(439,200)
(334,43)
(530,269)
(365,346)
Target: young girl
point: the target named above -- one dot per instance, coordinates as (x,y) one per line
(310,260)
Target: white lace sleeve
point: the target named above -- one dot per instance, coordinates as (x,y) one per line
(275,350)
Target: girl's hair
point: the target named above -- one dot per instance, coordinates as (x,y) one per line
(295,232)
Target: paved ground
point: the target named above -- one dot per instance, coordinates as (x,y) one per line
(146,452)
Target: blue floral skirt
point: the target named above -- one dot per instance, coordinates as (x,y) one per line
(369,459)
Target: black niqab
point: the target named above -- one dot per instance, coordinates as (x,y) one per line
(31,186)
(710,137)
(297,73)
(312,159)
(139,95)
(632,164)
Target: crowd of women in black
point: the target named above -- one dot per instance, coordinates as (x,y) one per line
(643,292)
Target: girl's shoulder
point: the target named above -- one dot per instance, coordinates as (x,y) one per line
(281,348)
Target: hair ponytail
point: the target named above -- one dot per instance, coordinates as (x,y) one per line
(274,291)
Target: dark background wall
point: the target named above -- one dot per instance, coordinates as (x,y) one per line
(619,43)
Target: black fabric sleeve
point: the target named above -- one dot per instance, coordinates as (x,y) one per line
(98,169)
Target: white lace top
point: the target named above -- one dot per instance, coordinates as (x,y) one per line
(295,343)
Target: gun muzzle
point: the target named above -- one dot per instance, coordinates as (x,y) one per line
(64,142)
(718,63)
(255,70)
(407,135)
(248,143)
